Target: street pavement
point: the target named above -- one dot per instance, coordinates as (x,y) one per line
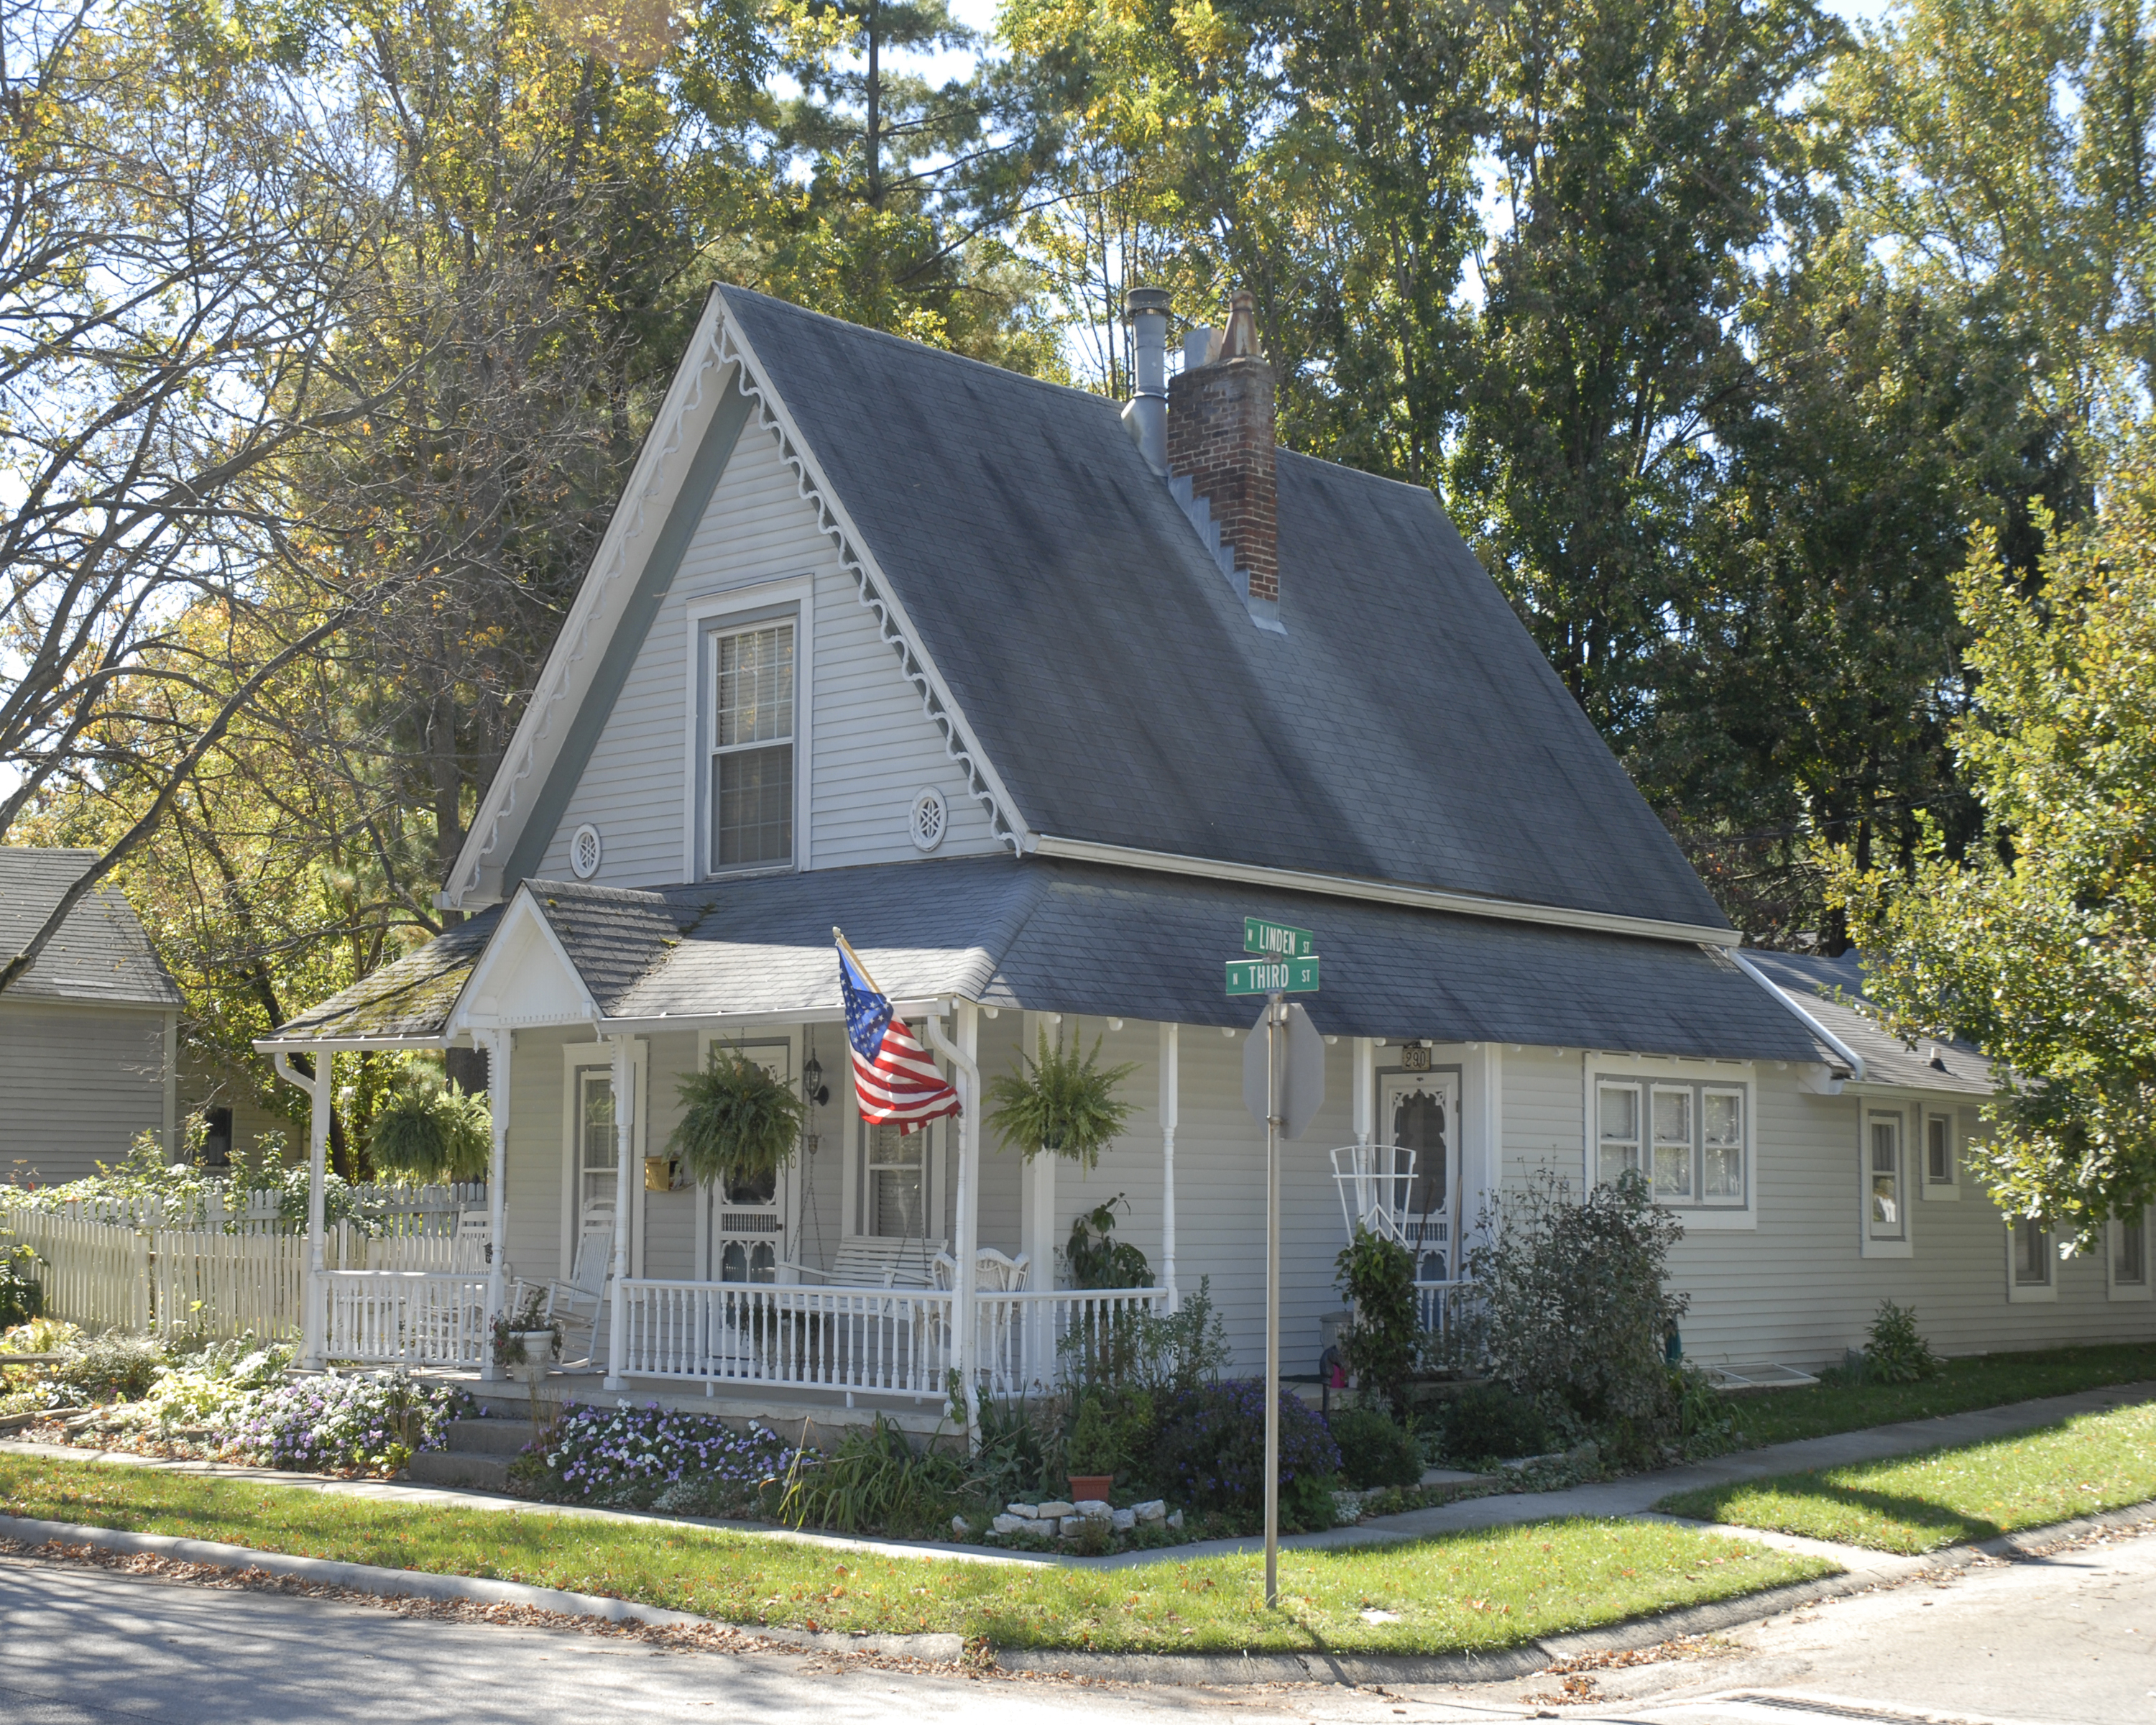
(2068,1638)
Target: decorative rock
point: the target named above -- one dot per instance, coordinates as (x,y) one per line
(1094,1509)
(1123,1520)
(1013,1524)
(959,1527)
(1056,1511)
(1154,1509)
(1175,1520)
(1031,1511)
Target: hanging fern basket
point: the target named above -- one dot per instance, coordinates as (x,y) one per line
(739,1124)
(430,1133)
(1060,1101)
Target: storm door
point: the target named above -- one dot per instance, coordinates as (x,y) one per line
(747,1231)
(1419,1112)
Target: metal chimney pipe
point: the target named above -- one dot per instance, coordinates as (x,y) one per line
(1146,417)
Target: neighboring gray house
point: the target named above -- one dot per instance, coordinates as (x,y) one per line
(1039,697)
(88,1038)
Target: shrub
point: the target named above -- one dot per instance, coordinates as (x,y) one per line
(1375,1450)
(21,1297)
(211,1387)
(1210,1450)
(1377,1275)
(685,1463)
(1487,1422)
(1573,1309)
(874,1482)
(1894,1353)
(367,1424)
(108,1368)
(1096,1259)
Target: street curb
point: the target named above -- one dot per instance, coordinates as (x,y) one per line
(422,1585)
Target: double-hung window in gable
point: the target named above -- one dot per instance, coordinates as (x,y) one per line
(750,793)
(1687,1139)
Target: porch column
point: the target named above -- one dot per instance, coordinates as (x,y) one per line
(313,1311)
(1037,1230)
(965,1328)
(1171,1053)
(497,1044)
(624,1135)
(1365,1087)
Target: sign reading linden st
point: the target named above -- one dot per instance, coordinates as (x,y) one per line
(1277,940)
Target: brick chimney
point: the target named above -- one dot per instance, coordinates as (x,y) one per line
(1221,438)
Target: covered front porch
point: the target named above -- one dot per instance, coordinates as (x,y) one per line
(899,1270)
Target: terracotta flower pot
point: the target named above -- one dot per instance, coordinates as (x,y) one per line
(1091,1488)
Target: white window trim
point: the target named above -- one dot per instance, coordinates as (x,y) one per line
(1948,1190)
(708,1198)
(1867,1247)
(2021,1293)
(582,1057)
(1697,1217)
(2116,1290)
(700,617)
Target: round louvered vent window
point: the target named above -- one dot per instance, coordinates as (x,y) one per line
(929,820)
(585,851)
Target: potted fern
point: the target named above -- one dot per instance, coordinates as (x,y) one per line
(739,1125)
(1061,1102)
(432,1132)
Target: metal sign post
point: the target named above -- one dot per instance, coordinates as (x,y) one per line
(1283,1086)
(1275,1119)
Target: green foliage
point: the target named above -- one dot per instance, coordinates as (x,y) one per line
(1894,1350)
(738,1122)
(1096,1259)
(1375,1449)
(1574,1310)
(874,1482)
(1171,1351)
(1487,1422)
(1092,1448)
(2040,947)
(1377,1276)
(432,1133)
(1061,1102)
(22,1297)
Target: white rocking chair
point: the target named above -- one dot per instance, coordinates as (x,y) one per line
(576,1304)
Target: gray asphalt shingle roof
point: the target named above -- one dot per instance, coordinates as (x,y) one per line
(1888,1060)
(1065,936)
(101,952)
(409,998)
(1405,728)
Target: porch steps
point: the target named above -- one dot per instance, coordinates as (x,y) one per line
(478,1455)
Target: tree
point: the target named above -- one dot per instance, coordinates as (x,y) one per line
(2040,947)
(167,262)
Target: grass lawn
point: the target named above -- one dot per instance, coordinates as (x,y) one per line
(1476,1590)
(1918,1503)
(1776,1416)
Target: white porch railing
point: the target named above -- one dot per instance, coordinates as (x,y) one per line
(1025,1342)
(1437,1304)
(886,1341)
(413,1317)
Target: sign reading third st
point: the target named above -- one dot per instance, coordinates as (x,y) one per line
(1271,976)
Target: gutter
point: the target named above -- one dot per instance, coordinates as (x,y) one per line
(1422,898)
(1856,1060)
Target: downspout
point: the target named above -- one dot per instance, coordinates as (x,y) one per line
(313,1342)
(1855,1060)
(969,1184)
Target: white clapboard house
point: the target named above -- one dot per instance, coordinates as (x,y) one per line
(1038,696)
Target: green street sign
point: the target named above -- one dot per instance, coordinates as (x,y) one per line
(1264,976)
(1276,940)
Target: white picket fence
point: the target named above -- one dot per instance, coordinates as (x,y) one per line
(105,1270)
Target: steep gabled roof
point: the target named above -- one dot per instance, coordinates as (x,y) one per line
(1405,729)
(101,954)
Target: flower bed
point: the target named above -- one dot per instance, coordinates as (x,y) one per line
(368,1424)
(653,1457)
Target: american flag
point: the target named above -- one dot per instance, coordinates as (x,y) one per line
(895,1078)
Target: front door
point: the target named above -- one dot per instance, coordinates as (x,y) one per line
(1418,1116)
(749,1217)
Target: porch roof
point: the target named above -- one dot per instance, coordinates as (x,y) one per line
(406,1002)
(1059,935)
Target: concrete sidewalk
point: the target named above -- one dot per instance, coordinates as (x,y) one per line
(1635,1495)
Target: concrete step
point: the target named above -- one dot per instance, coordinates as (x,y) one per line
(459,1467)
(490,1437)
